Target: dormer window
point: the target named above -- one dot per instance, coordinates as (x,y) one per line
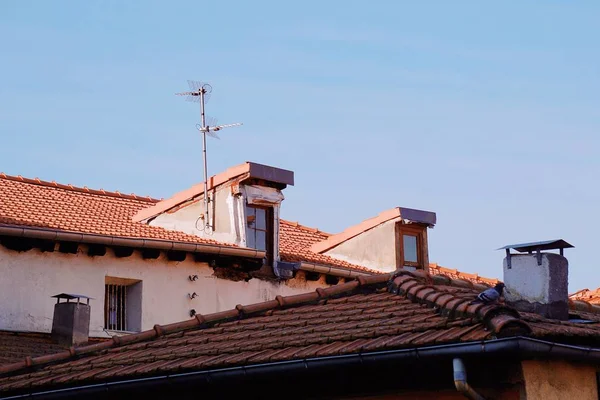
(411,247)
(260,229)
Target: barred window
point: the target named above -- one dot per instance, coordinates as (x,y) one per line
(122,304)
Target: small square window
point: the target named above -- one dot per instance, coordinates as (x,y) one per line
(122,304)
(409,246)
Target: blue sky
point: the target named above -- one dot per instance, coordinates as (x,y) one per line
(484,113)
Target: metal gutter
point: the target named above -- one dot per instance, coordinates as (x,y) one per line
(335,271)
(522,347)
(108,240)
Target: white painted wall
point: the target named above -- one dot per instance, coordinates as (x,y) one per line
(229,212)
(375,248)
(28,279)
(526,280)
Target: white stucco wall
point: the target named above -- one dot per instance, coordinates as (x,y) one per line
(375,248)
(28,279)
(545,283)
(224,213)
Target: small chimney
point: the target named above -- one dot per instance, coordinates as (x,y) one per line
(537,281)
(71,322)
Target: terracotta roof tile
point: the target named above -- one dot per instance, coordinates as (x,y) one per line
(35,203)
(295,242)
(42,204)
(590,296)
(343,320)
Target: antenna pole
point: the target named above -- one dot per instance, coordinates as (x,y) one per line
(204,130)
(200,92)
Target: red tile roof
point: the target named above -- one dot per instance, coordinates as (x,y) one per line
(36,203)
(294,245)
(15,346)
(243,171)
(32,202)
(590,296)
(361,316)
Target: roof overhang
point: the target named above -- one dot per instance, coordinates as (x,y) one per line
(517,348)
(409,215)
(239,173)
(139,243)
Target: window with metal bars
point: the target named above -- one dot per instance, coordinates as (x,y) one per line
(115,307)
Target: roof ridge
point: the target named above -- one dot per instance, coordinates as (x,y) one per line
(498,318)
(200,321)
(296,224)
(462,275)
(84,189)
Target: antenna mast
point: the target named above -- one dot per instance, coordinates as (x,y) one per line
(200,92)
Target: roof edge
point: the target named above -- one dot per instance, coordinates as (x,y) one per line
(109,240)
(517,346)
(85,189)
(408,214)
(249,168)
(355,230)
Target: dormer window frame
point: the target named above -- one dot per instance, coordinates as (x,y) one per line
(418,231)
(267,227)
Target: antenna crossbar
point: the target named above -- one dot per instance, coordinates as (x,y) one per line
(200,92)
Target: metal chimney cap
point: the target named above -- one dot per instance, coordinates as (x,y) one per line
(71,296)
(538,246)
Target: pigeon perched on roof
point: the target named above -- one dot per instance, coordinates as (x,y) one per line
(490,295)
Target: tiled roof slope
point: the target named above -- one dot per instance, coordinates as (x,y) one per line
(590,296)
(294,246)
(435,269)
(37,203)
(379,312)
(32,202)
(15,346)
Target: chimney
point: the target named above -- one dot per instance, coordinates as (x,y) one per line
(71,322)
(537,281)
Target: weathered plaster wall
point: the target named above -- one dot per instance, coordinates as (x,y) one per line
(559,380)
(224,208)
(229,213)
(375,248)
(526,280)
(30,278)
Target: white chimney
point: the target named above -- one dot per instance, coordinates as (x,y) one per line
(537,281)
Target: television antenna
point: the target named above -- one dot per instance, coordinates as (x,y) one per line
(200,93)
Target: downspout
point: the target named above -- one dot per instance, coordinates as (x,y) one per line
(460,381)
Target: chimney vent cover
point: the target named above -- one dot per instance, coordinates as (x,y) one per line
(559,244)
(71,296)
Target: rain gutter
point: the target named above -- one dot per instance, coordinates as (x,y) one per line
(109,240)
(522,347)
(335,271)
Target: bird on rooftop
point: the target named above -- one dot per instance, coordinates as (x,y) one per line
(490,295)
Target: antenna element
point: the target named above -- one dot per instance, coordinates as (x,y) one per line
(200,92)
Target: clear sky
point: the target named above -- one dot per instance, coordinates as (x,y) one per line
(484,112)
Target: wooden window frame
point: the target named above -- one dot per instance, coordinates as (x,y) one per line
(269,230)
(411,230)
